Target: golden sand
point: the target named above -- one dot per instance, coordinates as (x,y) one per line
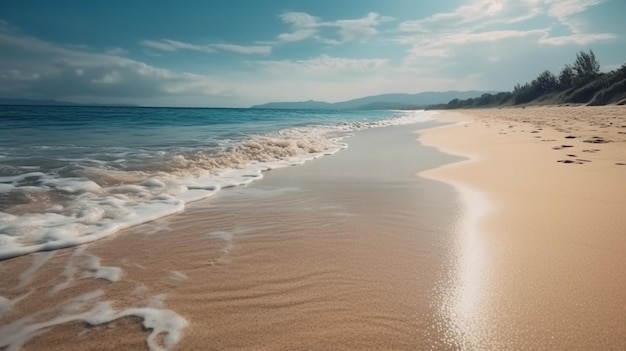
(548,261)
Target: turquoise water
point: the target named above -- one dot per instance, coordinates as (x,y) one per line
(70,175)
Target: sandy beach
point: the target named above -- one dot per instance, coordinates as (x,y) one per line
(512,238)
(544,266)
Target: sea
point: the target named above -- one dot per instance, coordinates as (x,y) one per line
(70,175)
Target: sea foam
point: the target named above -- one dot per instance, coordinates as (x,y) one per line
(160,322)
(81,201)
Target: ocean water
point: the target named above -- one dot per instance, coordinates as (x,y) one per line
(72,175)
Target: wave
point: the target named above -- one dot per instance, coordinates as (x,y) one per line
(96,194)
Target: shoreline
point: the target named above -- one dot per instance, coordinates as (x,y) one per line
(507,249)
(343,252)
(544,267)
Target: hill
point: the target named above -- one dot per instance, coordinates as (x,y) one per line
(377,102)
(578,83)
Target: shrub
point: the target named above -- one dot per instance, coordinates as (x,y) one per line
(585,93)
(609,94)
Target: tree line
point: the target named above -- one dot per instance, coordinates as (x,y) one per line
(580,82)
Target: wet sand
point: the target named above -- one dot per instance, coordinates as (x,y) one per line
(545,264)
(351,251)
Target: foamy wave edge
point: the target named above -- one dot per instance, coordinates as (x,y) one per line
(162,322)
(51,230)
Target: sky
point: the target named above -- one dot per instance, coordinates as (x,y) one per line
(235,53)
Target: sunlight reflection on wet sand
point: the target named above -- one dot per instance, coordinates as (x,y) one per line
(466,301)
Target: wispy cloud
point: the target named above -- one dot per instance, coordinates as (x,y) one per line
(564,9)
(305,26)
(323,64)
(34,68)
(297,35)
(579,39)
(117,51)
(175,45)
(488,21)
(466,14)
(243,49)
(443,45)
(567,13)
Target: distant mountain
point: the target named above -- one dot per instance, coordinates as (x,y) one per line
(379,102)
(306,105)
(33,102)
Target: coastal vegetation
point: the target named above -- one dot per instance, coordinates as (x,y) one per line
(580,82)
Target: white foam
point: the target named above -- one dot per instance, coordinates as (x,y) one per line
(7,304)
(95,210)
(160,321)
(53,231)
(69,272)
(96,270)
(72,185)
(39,260)
(178,276)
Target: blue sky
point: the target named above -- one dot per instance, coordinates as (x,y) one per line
(236,53)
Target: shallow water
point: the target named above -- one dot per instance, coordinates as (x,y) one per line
(352,251)
(72,175)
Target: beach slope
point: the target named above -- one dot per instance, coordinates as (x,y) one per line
(542,245)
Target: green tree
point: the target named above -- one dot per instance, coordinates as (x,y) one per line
(546,82)
(566,77)
(586,67)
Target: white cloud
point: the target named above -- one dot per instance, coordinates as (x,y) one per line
(174,45)
(565,12)
(305,26)
(488,21)
(473,12)
(299,19)
(491,36)
(33,68)
(562,9)
(242,49)
(323,64)
(579,39)
(298,35)
(359,29)
(442,46)
(531,12)
(116,51)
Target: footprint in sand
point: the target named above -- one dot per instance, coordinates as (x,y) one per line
(570,137)
(592,151)
(570,162)
(597,140)
(562,147)
(620,164)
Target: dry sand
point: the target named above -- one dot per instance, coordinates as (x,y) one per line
(545,266)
